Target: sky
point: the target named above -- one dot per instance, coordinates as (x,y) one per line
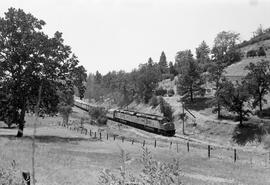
(109,35)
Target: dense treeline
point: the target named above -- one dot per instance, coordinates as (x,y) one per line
(191,75)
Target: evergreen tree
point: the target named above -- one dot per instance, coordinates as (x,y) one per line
(190,81)
(202,55)
(163,65)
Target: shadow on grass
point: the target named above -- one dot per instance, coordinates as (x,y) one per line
(49,139)
(249,132)
(199,103)
(9,128)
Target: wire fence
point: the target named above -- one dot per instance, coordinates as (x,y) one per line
(235,155)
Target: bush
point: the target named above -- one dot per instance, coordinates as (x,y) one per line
(153,172)
(261,52)
(171,93)
(160,92)
(10,175)
(264,113)
(166,109)
(98,114)
(154,101)
(251,53)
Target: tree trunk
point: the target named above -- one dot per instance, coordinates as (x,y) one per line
(218,110)
(241,118)
(191,95)
(65,119)
(21,122)
(260,102)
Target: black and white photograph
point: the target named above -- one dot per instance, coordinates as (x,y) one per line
(134,92)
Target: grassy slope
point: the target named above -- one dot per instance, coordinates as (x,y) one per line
(67,157)
(237,69)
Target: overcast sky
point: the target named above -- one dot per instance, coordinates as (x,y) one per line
(111,35)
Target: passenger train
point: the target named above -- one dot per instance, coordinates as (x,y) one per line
(148,122)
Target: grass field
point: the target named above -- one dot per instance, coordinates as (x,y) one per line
(64,156)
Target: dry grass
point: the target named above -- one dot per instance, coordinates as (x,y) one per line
(67,157)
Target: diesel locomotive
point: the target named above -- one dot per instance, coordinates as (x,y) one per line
(148,122)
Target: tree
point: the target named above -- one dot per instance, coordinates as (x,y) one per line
(258,82)
(202,55)
(215,76)
(224,49)
(261,52)
(181,58)
(233,98)
(172,69)
(189,80)
(163,65)
(66,101)
(146,82)
(165,109)
(30,60)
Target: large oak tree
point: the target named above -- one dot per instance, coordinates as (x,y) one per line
(30,59)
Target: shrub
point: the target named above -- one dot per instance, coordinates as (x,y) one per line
(154,101)
(252,53)
(98,114)
(166,109)
(160,92)
(264,113)
(10,175)
(152,173)
(171,93)
(261,52)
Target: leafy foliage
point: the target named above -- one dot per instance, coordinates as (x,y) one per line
(233,98)
(190,80)
(202,55)
(152,173)
(98,114)
(171,92)
(258,82)
(10,175)
(30,59)
(225,49)
(160,91)
(163,65)
(166,109)
(154,101)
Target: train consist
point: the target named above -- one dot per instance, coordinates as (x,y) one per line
(149,122)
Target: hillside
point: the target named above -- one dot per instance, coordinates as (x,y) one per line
(238,69)
(256,43)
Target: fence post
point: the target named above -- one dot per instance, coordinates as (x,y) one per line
(123,139)
(114,137)
(26,177)
(100,136)
(234,155)
(155,143)
(177,147)
(170,144)
(95,135)
(132,141)
(209,151)
(188,146)
(107,136)
(86,132)
(269,158)
(143,142)
(90,132)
